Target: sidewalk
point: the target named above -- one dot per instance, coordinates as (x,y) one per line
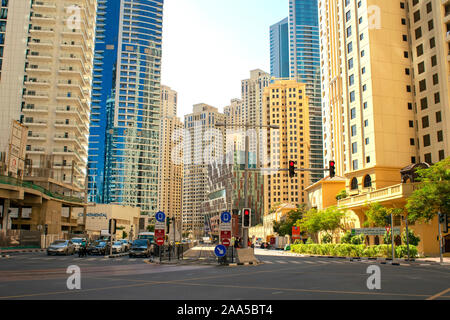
(436,260)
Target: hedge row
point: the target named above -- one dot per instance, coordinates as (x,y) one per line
(351,250)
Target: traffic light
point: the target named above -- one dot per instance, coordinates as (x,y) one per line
(443,219)
(246,218)
(46,229)
(292,169)
(332,169)
(112,226)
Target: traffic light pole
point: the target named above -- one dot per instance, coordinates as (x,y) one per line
(245,230)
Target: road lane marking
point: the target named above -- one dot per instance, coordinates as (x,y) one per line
(309,262)
(322,262)
(268,262)
(439,294)
(280,261)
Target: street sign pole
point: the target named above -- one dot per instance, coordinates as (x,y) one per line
(245,230)
(440,239)
(392,236)
(407,236)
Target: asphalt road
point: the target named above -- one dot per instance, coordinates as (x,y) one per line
(39,277)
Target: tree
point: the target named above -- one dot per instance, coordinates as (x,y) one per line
(342,195)
(379,215)
(124,235)
(151,228)
(284,227)
(327,220)
(433,196)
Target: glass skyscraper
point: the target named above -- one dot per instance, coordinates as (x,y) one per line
(124,140)
(305,67)
(279,49)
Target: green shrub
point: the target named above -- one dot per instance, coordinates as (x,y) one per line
(347,238)
(351,250)
(359,239)
(413,239)
(310,241)
(402,251)
(327,238)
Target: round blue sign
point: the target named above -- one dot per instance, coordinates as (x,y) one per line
(160,216)
(220,251)
(225,217)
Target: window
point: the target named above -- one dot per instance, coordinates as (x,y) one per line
(435,79)
(425,122)
(421,67)
(410,107)
(408,88)
(367,181)
(416,16)
(362,53)
(422,85)
(353,113)
(364,87)
(355,164)
(403,21)
(402,5)
(441,155)
(428,158)
(349,47)
(350,63)
(429,7)
(424,103)
(363,70)
(367,141)
(430,25)
(360,20)
(440,136)
(418,33)
(411,124)
(407,71)
(352,96)
(415,2)
(437,97)
(405,37)
(433,61)
(353,130)
(351,80)
(354,147)
(365,105)
(432,43)
(438,117)
(419,50)
(354,184)
(348,16)
(426,140)
(412,142)
(405,54)
(361,37)
(349,31)
(366,123)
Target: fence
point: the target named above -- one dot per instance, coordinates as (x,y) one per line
(20,239)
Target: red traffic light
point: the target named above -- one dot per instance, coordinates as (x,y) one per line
(332,164)
(246,212)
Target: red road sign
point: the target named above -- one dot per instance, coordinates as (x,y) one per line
(296,233)
(225,235)
(226,242)
(388,229)
(159,236)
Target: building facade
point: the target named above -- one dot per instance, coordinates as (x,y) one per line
(170,169)
(279,49)
(132,47)
(305,68)
(203,145)
(286,105)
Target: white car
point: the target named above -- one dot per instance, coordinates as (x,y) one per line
(118,247)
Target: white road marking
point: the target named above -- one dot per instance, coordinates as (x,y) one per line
(268,262)
(296,262)
(282,262)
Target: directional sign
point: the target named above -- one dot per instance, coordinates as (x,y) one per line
(225,217)
(220,251)
(160,216)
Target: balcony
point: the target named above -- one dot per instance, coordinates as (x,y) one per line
(35,122)
(38,18)
(37,137)
(39,31)
(35,109)
(35,150)
(389,194)
(37,83)
(66,152)
(39,56)
(44,6)
(39,69)
(39,44)
(38,96)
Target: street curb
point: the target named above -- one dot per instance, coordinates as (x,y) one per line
(5,256)
(120,255)
(26,251)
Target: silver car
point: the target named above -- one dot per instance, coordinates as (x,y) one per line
(77,242)
(61,247)
(118,247)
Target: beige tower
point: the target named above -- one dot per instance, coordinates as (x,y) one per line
(369,131)
(430,47)
(56,100)
(201,148)
(14,22)
(286,105)
(170,170)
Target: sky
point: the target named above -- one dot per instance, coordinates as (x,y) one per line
(209,46)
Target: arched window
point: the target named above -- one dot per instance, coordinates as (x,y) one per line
(367,181)
(354,185)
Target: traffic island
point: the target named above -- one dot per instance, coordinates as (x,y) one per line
(246,256)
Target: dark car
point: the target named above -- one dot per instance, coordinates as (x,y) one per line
(99,247)
(140,248)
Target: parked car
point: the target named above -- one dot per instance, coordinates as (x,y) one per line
(77,243)
(140,248)
(126,244)
(118,247)
(64,247)
(99,247)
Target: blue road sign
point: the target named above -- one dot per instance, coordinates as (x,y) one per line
(225,217)
(160,216)
(220,251)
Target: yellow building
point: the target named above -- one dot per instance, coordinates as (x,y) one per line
(286,105)
(388,62)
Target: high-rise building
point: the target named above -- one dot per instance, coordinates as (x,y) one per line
(170,168)
(14,24)
(430,38)
(57,89)
(305,68)
(127,79)
(279,49)
(201,148)
(376,139)
(286,105)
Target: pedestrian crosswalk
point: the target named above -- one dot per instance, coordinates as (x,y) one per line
(311,262)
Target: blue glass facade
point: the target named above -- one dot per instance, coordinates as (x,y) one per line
(279,49)
(305,67)
(129,106)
